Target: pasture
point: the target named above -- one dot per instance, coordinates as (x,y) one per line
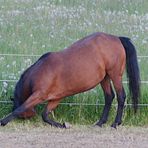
(30,28)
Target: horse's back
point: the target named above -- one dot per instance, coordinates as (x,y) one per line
(86,62)
(75,69)
(98,49)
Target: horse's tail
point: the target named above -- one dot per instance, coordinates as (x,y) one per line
(132,69)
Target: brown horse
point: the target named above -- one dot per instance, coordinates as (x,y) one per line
(97,58)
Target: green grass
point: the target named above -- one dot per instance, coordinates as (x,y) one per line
(36,27)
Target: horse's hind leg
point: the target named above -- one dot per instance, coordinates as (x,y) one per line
(117,81)
(49,108)
(109,96)
(33,100)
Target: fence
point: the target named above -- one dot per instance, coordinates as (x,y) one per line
(30,28)
(143,82)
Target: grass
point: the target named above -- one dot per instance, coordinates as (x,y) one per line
(35,27)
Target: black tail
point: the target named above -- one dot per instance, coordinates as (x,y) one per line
(132,69)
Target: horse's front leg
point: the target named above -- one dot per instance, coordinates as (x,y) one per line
(32,101)
(49,108)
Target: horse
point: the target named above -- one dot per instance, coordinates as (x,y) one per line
(98,58)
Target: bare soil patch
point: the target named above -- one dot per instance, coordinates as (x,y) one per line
(28,136)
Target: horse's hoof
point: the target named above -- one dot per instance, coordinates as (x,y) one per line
(59,125)
(99,124)
(66,125)
(2,123)
(114,125)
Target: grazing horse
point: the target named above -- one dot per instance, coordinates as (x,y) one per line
(97,58)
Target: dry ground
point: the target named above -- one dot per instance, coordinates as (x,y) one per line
(31,136)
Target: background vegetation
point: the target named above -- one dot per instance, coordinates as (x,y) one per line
(35,27)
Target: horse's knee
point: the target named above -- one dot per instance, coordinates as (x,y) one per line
(45,114)
(28,114)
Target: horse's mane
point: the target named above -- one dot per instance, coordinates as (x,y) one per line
(41,58)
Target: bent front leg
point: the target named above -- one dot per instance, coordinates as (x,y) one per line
(32,101)
(49,108)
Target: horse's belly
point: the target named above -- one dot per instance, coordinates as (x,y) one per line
(83,82)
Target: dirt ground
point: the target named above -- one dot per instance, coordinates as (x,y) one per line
(24,136)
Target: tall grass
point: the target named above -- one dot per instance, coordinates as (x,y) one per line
(35,27)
